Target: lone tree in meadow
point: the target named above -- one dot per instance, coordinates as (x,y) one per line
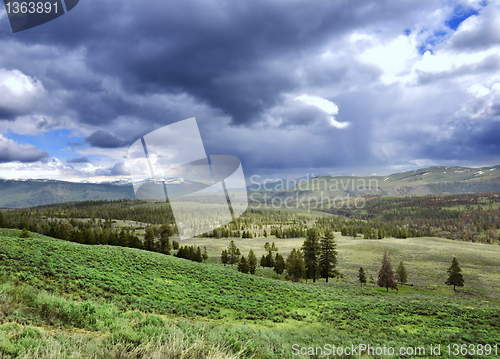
(455,277)
(328,255)
(311,249)
(386,275)
(295,266)
(252,262)
(362,276)
(401,275)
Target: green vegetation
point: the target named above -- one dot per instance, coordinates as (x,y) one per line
(468,217)
(121,301)
(110,292)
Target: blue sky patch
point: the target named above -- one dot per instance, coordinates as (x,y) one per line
(460,14)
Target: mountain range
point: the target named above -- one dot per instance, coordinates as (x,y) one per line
(431,180)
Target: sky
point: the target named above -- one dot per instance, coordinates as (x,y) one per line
(290,87)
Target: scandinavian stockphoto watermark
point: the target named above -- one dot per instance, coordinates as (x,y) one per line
(204,192)
(312,193)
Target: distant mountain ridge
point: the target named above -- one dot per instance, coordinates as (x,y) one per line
(431,180)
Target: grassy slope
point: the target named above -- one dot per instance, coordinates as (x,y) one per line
(265,314)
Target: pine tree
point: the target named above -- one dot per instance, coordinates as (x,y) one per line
(311,249)
(164,242)
(455,277)
(386,275)
(198,257)
(24,233)
(205,253)
(233,252)
(263,261)
(243,265)
(295,265)
(362,276)
(149,239)
(401,275)
(328,255)
(224,258)
(175,245)
(252,262)
(269,259)
(279,264)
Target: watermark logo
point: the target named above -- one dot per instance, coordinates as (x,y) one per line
(205,192)
(27,14)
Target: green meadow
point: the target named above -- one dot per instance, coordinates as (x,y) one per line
(60,299)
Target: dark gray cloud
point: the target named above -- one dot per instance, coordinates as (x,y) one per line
(11,151)
(83,159)
(119,69)
(104,139)
(467,141)
(220,52)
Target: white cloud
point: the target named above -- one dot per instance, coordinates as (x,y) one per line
(18,90)
(325,105)
(478,90)
(393,57)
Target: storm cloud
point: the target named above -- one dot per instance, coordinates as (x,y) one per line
(287,86)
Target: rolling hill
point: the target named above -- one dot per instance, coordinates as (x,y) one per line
(432,180)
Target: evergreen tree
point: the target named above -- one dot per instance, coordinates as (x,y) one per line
(205,253)
(175,245)
(24,233)
(164,242)
(2,221)
(362,276)
(243,265)
(233,252)
(455,277)
(328,255)
(311,249)
(224,258)
(263,261)
(198,257)
(279,264)
(252,262)
(149,238)
(401,275)
(270,259)
(295,265)
(386,275)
